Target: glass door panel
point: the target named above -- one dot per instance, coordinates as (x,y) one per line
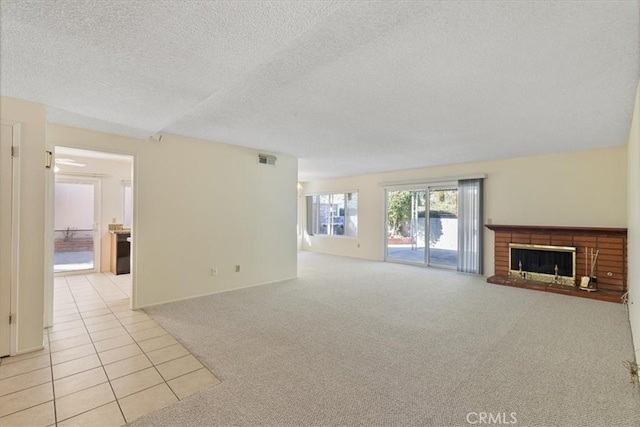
(75,224)
(443,227)
(406,211)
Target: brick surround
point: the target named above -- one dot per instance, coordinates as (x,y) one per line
(611,266)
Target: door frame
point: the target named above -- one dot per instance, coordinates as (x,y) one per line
(15,233)
(49,287)
(97,219)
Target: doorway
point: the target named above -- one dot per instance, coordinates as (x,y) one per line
(93,220)
(422,226)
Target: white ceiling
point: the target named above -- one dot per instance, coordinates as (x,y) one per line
(348,87)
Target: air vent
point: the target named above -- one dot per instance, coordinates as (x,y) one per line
(267,159)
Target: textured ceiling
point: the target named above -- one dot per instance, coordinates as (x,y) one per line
(347,87)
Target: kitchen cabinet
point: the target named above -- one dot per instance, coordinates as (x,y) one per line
(120,252)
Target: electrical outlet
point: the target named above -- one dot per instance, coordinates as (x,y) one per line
(238,268)
(214,271)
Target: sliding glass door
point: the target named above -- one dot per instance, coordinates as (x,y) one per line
(437,225)
(406,212)
(443,227)
(422,226)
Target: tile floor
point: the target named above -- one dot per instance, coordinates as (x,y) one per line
(102,364)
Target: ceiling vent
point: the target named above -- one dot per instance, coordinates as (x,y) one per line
(267,159)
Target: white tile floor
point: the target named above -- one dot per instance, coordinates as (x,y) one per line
(102,364)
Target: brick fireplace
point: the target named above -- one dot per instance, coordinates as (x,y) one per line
(554,259)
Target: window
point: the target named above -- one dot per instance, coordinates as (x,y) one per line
(127,205)
(333,214)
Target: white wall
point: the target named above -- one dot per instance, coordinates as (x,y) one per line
(31,272)
(111,174)
(200,205)
(582,188)
(633,253)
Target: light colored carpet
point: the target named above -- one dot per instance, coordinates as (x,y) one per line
(354,342)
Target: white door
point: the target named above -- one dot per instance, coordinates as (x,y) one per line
(6,232)
(76,225)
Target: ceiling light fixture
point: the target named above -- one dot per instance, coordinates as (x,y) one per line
(70,162)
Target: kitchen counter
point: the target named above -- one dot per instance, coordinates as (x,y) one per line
(121,231)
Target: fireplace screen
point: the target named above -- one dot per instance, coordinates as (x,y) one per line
(545,263)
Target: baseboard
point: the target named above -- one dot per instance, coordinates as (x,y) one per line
(352,256)
(29,350)
(214,293)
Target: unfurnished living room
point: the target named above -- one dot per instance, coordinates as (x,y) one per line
(319,213)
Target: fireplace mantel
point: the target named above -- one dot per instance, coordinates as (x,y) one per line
(557,229)
(611,266)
